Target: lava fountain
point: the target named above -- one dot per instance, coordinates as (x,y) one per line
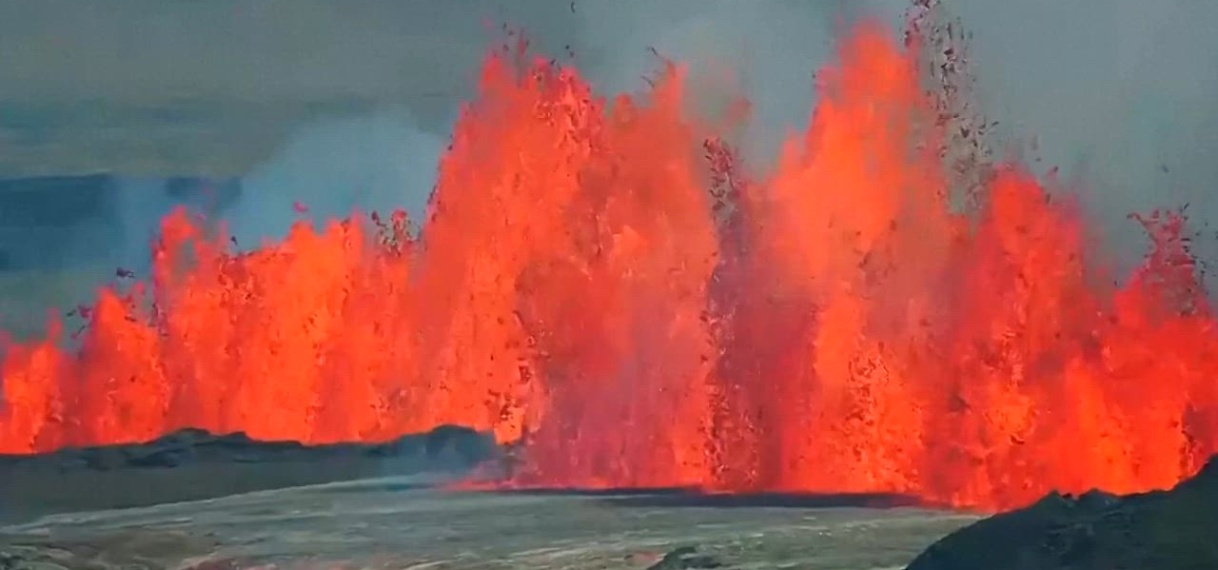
(603,278)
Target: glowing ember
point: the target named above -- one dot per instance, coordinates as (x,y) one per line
(600,278)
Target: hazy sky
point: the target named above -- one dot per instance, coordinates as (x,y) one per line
(1119,88)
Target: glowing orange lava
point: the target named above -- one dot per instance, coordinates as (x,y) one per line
(600,275)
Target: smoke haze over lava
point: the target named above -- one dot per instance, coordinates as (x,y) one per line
(653,298)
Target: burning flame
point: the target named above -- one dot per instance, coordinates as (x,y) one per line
(600,278)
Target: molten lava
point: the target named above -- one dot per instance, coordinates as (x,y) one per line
(600,277)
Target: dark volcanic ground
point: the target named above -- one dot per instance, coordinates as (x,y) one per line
(1162,530)
(193,465)
(400,523)
(194,500)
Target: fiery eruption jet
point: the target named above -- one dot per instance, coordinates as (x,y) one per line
(603,274)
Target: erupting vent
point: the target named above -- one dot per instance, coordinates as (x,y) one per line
(599,275)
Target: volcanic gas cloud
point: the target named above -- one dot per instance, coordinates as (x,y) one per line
(601,275)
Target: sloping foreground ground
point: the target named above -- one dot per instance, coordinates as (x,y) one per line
(1166,530)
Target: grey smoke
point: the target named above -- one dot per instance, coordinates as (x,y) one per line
(1122,90)
(373,163)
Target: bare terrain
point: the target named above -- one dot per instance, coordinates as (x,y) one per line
(401,523)
(196,500)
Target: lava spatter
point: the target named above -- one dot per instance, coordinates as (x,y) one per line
(601,276)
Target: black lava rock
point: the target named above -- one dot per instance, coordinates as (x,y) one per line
(1163,530)
(461,445)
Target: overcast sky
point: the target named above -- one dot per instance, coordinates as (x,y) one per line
(1120,88)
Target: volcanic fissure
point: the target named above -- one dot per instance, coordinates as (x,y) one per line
(604,273)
